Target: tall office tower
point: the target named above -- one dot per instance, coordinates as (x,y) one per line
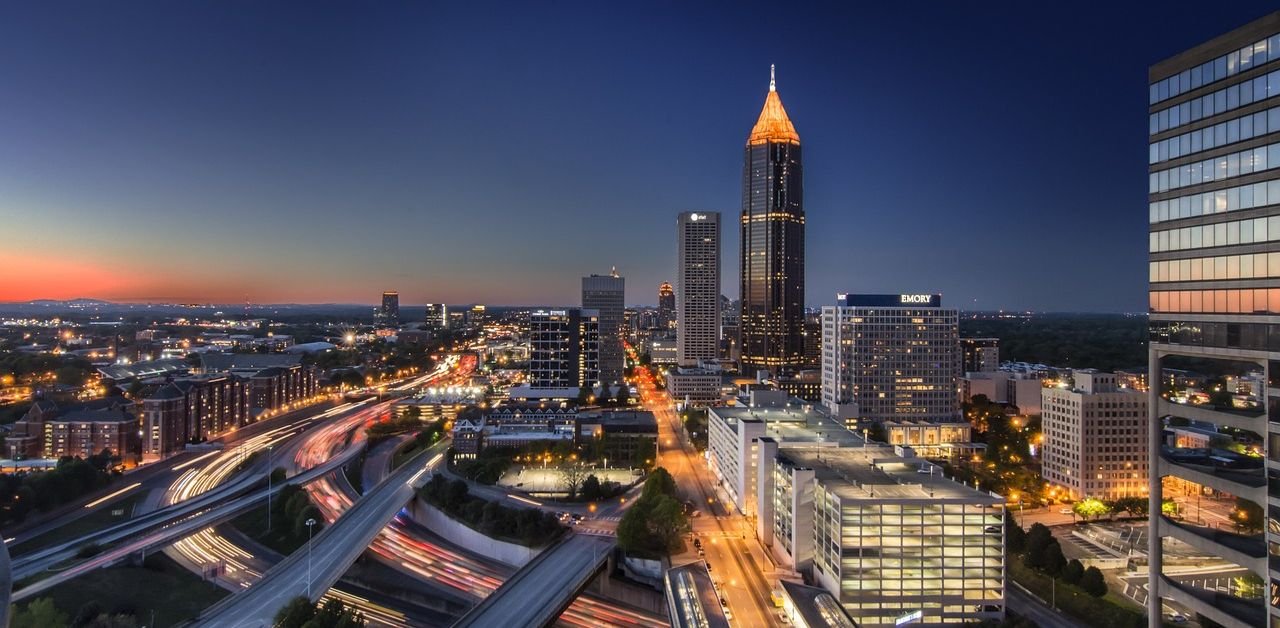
(890,357)
(607,295)
(666,306)
(1095,437)
(564,348)
(437,316)
(698,287)
(772,254)
(389,313)
(1214,213)
(981,355)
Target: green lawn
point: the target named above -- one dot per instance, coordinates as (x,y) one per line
(91,522)
(162,586)
(1099,612)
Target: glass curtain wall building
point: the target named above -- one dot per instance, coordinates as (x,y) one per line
(1214,199)
(772,255)
(606,294)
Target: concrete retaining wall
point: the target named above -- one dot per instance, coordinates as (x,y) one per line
(459,534)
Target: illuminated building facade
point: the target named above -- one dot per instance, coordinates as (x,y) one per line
(698,283)
(981,355)
(564,348)
(666,306)
(772,254)
(1094,437)
(890,357)
(1214,264)
(437,317)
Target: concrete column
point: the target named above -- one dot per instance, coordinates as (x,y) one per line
(1155,560)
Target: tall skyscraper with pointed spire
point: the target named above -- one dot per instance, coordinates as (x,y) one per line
(772,262)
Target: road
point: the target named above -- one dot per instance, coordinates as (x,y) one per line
(538,592)
(738,563)
(1030,606)
(311,572)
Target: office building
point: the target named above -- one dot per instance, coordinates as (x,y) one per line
(1018,389)
(388,314)
(1095,438)
(564,349)
(437,317)
(980,355)
(879,528)
(694,387)
(890,357)
(666,306)
(697,288)
(606,294)
(772,252)
(1214,213)
(884,533)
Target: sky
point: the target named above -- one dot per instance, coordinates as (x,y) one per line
(497,152)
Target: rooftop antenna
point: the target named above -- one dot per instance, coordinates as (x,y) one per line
(773,85)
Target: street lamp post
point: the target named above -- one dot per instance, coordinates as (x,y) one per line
(310,522)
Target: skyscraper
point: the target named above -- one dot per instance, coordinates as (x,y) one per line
(437,316)
(1214,214)
(389,313)
(890,357)
(698,279)
(607,295)
(666,306)
(772,255)
(564,348)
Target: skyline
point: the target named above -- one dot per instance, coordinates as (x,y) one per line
(314,158)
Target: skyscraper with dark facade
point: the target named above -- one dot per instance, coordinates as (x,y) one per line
(389,313)
(1214,260)
(607,295)
(666,305)
(772,253)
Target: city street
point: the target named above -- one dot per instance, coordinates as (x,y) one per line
(737,562)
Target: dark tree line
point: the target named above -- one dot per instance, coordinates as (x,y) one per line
(527,526)
(45,490)
(1103,341)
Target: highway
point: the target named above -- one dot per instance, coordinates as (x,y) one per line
(544,587)
(313,570)
(737,562)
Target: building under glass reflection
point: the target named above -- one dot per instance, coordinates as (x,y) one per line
(772,255)
(1214,213)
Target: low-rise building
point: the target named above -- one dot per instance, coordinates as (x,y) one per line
(1094,443)
(694,387)
(87,431)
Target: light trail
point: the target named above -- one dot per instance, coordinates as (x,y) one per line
(113,495)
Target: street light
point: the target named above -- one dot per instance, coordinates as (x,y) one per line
(310,522)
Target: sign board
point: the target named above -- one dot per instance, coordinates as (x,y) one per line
(909,617)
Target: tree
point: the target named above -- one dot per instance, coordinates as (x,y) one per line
(1015,538)
(1038,537)
(667,521)
(624,394)
(572,475)
(1093,583)
(297,612)
(1247,516)
(40,613)
(1169,508)
(590,488)
(659,482)
(584,396)
(1072,572)
(1091,507)
(1054,560)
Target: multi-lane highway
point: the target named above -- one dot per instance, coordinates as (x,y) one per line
(313,570)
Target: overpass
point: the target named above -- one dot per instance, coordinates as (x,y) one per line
(543,588)
(331,553)
(174,522)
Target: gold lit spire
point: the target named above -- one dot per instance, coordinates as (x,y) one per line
(773,124)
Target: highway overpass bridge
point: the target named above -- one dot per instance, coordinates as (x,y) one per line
(543,588)
(312,572)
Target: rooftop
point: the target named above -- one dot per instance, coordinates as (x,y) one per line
(773,124)
(791,424)
(694,597)
(816,606)
(246,361)
(876,472)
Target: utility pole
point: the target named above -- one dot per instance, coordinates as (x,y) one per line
(269,448)
(310,522)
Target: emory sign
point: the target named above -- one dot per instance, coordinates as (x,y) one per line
(915,298)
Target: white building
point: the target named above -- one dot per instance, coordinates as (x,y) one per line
(1094,437)
(1018,389)
(890,357)
(697,287)
(694,386)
